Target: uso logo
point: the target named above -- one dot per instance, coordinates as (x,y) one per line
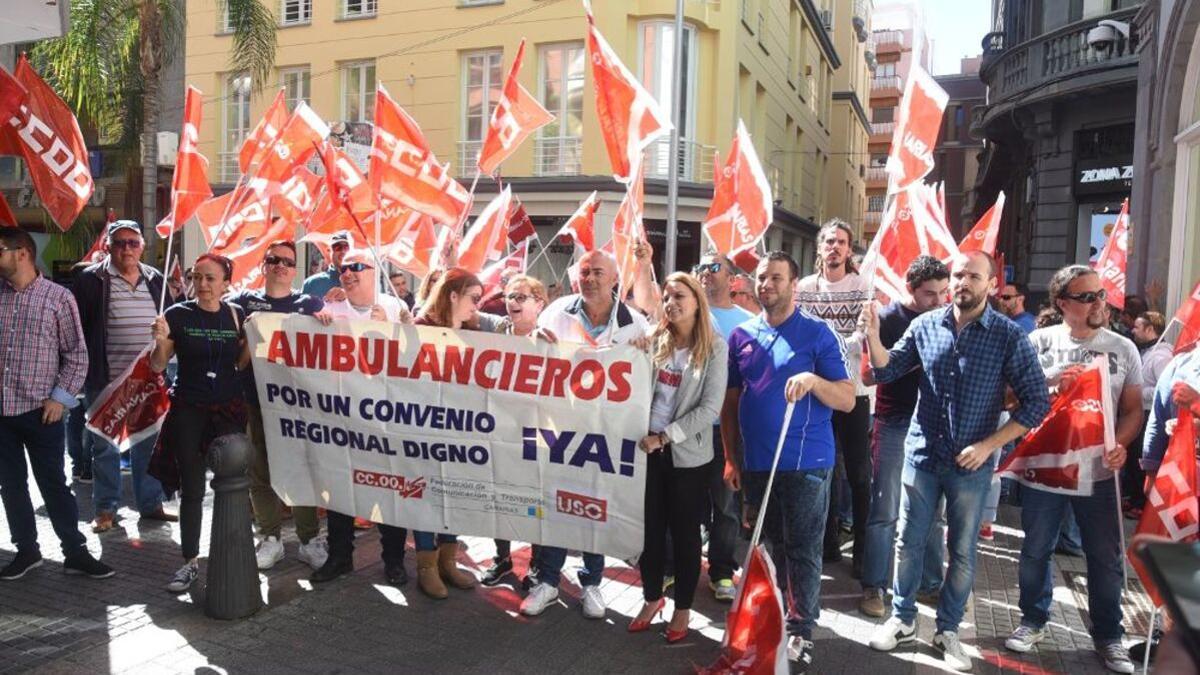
(582,506)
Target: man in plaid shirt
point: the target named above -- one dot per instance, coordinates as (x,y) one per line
(43,362)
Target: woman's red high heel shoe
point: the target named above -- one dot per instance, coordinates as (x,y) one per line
(674,636)
(641,625)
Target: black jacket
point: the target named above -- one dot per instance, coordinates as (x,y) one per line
(91,288)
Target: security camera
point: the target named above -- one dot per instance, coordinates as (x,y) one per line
(1104,35)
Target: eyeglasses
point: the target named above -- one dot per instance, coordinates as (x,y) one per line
(517,297)
(711,268)
(355,267)
(475,298)
(277,260)
(1087,297)
(124,243)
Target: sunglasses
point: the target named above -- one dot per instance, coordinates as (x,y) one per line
(1088,297)
(711,268)
(125,243)
(276,260)
(355,267)
(475,298)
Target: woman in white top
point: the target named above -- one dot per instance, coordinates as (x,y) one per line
(690,371)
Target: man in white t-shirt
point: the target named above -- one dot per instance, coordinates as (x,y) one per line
(594,317)
(362,300)
(1064,351)
(836,294)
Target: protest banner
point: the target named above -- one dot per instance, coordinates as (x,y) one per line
(457,432)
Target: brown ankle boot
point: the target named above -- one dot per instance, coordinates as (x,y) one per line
(428,579)
(448,568)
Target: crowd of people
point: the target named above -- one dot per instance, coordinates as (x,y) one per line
(900,413)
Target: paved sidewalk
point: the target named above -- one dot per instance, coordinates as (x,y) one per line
(51,623)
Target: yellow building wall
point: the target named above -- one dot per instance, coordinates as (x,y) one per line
(846,184)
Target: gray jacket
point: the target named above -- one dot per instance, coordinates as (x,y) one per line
(697,408)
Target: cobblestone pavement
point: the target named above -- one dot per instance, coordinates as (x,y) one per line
(52,623)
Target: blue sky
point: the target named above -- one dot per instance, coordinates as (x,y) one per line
(956,28)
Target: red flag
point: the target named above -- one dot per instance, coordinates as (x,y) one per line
(1111,263)
(246,247)
(98,247)
(264,135)
(755,640)
(189,186)
(1065,453)
(12,96)
(917,124)
(627,231)
(910,228)
(1171,513)
(297,198)
(630,118)
(983,236)
(581,226)
(742,206)
(746,259)
(47,136)
(485,241)
(133,406)
(296,143)
(520,227)
(350,197)
(517,115)
(404,169)
(493,275)
(7,219)
(1188,319)
(414,248)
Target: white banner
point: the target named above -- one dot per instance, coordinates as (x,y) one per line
(456,432)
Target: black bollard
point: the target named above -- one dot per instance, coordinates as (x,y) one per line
(232,591)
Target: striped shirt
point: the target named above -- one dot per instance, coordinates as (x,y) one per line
(42,354)
(128,317)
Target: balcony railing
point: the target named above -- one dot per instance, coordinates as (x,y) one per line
(695,160)
(889,39)
(468,152)
(876,174)
(862,10)
(871,219)
(885,82)
(227,167)
(1011,70)
(882,128)
(558,156)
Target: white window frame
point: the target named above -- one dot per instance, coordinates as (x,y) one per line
(465,87)
(236,94)
(366,99)
(303,10)
(296,72)
(367,8)
(688,129)
(560,167)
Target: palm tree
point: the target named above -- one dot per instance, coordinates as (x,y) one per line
(108,68)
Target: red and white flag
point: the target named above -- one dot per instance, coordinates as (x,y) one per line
(581,226)
(911,227)
(1185,324)
(414,249)
(1172,513)
(627,231)
(520,227)
(1065,453)
(493,275)
(742,205)
(983,236)
(350,200)
(403,168)
(486,240)
(189,186)
(246,248)
(133,406)
(755,640)
(44,132)
(918,122)
(265,133)
(13,95)
(1110,265)
(746,259)
(7,219)
(296,143)
(517,115)
(630,118)
(297,196)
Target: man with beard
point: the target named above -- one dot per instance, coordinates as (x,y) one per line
(785,354)
(836,294)
(1011,301)
(319,284)
(968,353)
(1064,351)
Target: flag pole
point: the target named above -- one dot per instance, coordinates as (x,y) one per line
(673,161)
(762,508)
(162,300)
(1149,637)
(237,187)
(1121,530)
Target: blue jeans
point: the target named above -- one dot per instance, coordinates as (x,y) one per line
(552,558)
(106,471)
(965,494)
(795,528)
(25,434)
(426,541)
(1041,514)
(888,454)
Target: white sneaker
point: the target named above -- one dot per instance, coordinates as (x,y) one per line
(1116,657)
(892,633)
(184,578)
(1024,638)
(593,602)
(314,553)
(268,552)
(952,650)
(539,598)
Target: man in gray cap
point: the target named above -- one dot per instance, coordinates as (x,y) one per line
(321,283)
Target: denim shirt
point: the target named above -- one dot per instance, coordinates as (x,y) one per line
(961,390)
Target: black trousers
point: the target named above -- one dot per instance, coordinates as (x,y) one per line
(675,502)
(1133,479)
(341,538)
(852,435)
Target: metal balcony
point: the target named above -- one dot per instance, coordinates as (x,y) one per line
(862,11)
(889,40)
(885,85)
(882,129)
(468,153)
(558,156)
(876,177)
(695,160)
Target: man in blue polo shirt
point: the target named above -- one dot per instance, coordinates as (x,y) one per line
(781,355)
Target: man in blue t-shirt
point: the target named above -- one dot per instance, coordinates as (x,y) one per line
(319,284)
(782,355)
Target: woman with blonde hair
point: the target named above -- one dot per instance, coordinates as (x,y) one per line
(690,372)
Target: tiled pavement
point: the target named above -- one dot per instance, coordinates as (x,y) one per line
(51,623)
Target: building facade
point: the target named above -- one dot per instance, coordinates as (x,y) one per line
(956,155)
(851,126)
(1059,126)
(1165,261)
(769,62)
